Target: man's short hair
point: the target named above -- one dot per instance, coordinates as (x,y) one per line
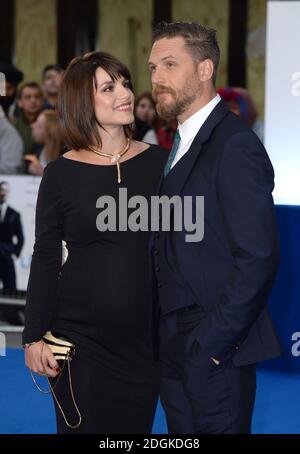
(56,68)
(30,85)
(200,41)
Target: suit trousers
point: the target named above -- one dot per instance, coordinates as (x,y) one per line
(198,396)
(7,272)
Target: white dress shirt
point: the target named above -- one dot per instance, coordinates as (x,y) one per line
(3,209)
(189,128)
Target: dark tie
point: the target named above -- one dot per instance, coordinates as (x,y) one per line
(172,153)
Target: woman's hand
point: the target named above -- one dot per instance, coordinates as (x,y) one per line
(40,359)
(32,158)
(34,165)
(35,169)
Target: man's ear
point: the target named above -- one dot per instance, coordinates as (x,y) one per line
(205,70)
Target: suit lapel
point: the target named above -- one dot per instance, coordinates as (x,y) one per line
(183,168)
(187,162)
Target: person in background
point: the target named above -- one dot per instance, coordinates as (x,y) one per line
(144,115)
(241,103)
(13,77)
(11,244)
(30,101)
(162,133)
(46,133)
(145,108)
(52,75)
(11,147)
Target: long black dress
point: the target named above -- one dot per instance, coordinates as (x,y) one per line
(99,299)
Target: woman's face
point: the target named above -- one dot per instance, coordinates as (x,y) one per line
(145,110)
(38,129)
(113,100)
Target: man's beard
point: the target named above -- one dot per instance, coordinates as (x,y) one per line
(182,99)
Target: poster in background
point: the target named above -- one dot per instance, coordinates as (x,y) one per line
(22,198)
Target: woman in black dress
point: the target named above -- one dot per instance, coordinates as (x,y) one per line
(100,298)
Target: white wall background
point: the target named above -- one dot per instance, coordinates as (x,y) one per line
(282,115)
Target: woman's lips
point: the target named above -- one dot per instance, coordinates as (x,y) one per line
(125,108)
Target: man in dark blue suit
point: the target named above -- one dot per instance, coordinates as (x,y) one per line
(11,243)
(210,296)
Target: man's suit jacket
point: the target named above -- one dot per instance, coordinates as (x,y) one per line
(11,226)
(230,272)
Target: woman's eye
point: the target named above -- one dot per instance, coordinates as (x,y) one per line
(170,65)
(109,88)
(126,83)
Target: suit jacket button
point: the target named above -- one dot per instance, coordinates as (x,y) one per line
(159,284)
(156,234)
(156,251)
(157,268)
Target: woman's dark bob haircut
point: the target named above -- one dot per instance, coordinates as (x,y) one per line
(79,127)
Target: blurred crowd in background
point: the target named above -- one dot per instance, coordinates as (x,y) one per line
(29,137)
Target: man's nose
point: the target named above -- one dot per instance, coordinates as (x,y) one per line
(158,77)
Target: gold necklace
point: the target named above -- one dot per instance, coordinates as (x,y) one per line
(115,158)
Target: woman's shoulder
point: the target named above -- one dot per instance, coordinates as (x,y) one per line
(56,164)
(53,169)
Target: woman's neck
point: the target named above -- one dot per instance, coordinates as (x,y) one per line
(113,141)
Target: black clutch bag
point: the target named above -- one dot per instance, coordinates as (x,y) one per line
(63,350)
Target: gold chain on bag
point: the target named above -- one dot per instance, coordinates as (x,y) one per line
(65,351)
